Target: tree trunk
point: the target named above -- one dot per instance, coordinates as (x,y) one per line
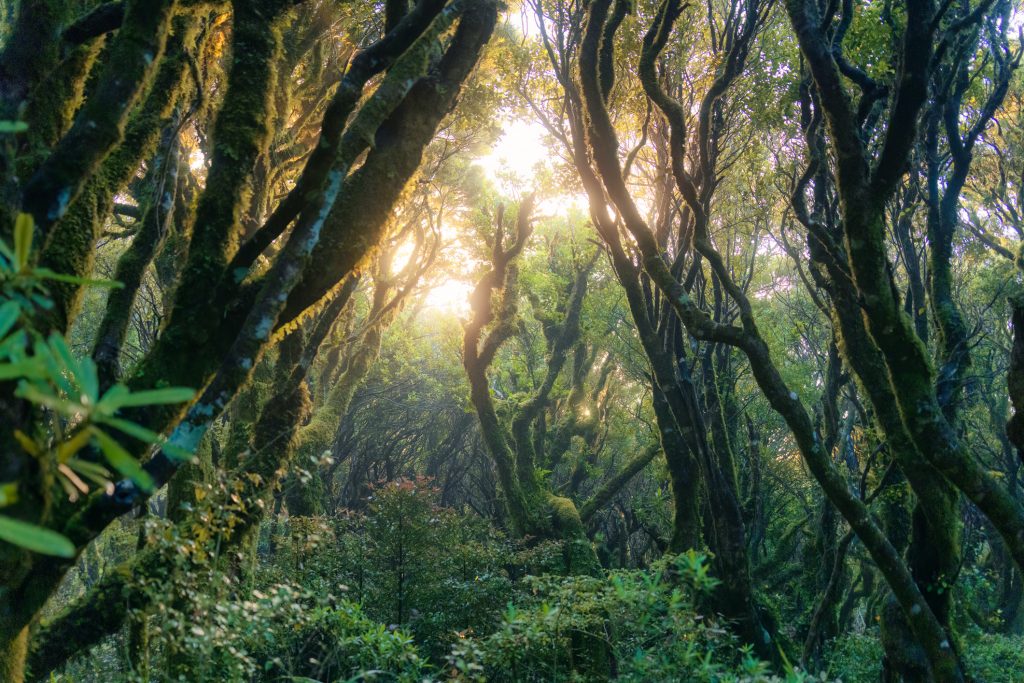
(683,476)
(1015,377)
(13,652)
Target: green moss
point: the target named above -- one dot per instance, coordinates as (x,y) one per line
(32,50)
(360,216)
(240,136)
(55,101)
(70,249)
(127,74)
(580,556)
(13,651)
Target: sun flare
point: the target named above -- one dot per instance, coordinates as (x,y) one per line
(519,153)
(450,296)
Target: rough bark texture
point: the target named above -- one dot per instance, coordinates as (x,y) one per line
(131,62)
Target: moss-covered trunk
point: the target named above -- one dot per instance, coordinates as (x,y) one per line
(318,436)
(13,653)
(533,509)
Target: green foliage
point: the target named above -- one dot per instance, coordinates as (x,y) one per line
(857,657)
(13,127)
(35,538)
(284,632)
(990,657)
(24,283)
(994,657)
(408,573)
(407,560)
(333,643)
(646,623)
(66,389)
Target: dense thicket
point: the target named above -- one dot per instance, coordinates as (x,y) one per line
(558,340)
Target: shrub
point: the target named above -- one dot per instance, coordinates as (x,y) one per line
(632,626)
(993,657)
(856,657)
(336,643)
(407,560)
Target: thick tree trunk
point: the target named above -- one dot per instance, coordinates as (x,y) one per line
(683,477)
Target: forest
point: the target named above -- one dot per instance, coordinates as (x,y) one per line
(511,340)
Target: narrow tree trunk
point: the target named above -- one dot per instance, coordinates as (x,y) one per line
(13,652)
(1015,376)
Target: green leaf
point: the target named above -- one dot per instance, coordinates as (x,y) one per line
(97,473)
(64,363)
(148,436)
(9,314)
(111,400)
(13,126)
(29,369)
(122,461)
(151,397)
(35,538)
(132,429)
(8,493)
(61,367)
(35,395)
(68,447)
(24,224)
(13,347)
(6,252)
(89,379)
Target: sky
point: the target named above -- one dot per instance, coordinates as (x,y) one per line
(512,164)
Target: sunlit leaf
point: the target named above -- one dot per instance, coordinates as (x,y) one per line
(23,227)
(8,493)
(151,397)
(13,127)
(66,449)
(26,442)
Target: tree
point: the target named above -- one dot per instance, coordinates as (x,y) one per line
(214,337)
(532,510)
